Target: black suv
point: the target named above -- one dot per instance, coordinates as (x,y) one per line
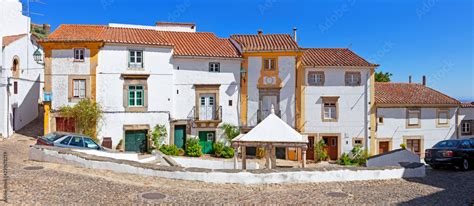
(458,153)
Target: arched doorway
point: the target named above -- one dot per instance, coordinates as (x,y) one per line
(16,67)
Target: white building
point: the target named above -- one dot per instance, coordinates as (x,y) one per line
(144,76)
(20,74)
(466,120)
(414,115)
(336,99)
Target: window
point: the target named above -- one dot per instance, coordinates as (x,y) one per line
(136,59)
(353,78)
(66,141)
(358,142)
(443,117)
(466,128)
(316,78)
(230,102)
(466,144)
(214,67)
(88,143)
(79,55)
(413,117)
(76,141)
(135,96)
(79,88)
(269,64)
(380,120)
(15,87)
(414,145)
(329,111)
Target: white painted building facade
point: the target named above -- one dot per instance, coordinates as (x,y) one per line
(20,75)
(466,120)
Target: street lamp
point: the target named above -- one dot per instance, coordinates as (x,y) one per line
(37,56)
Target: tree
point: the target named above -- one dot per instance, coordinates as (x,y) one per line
(382,77)
(230,131)
(86,114)
(158,135)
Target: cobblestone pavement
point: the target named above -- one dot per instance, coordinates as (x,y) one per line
(63,184)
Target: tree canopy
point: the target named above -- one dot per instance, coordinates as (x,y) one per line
(383,76)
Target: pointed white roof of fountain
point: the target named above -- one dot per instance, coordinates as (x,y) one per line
(272,129)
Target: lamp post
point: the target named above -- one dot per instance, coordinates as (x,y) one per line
(38,56)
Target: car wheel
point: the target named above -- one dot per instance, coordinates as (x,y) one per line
(465,164)
(435,167)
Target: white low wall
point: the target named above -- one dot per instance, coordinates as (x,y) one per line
(230,176)
(212,164)
(116,155)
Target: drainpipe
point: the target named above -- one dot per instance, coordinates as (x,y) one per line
(8,106)
(456,121)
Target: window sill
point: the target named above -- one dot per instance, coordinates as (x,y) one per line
(136,109)
(413,126)
(329,120)
(78,61)
(75,99)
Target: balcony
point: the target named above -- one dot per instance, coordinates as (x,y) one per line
(210,115)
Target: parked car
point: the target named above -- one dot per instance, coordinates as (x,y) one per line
(69,141)
(458,153)
(49,139)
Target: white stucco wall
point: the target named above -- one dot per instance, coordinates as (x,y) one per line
(351,105)
(191,71)
(287,69)
(113,61)
(12,21)
(394,126)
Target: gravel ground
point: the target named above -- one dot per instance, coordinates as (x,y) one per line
(63,184)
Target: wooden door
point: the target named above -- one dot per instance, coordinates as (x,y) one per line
(206,139)
(14,118)
(207,107)
(383,147)
(64,124)
(136,141)
(180,136)
(310,151)
(331,147)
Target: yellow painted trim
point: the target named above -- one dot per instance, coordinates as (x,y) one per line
(373,118)
(94,61)
(300,97)
(70,45)
(244,93)
(47,108)
(272,54)
(269,73)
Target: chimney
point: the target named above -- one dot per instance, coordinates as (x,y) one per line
(260,32)
(409,79)
(424,80)
(294,33)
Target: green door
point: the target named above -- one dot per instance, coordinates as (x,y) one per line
(135,141)
(206,138)
(180,136)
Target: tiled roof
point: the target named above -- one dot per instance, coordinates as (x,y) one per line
(185,43)
(6,40)
(333,57)
(266,42)
(410,93)
(467,105)
(200,44)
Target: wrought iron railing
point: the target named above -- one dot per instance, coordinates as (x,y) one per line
(217,114)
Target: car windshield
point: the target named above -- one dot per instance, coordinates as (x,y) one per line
(89,143)
(53,137)
(447,143)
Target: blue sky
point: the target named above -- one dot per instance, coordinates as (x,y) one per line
(406,37)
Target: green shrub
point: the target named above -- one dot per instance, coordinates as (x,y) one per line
(358,156)
(223,151)
(158,135)
(403,146)
(227,152)
(320,154)
(169,150)
(193,149)
(181,152)
(218,148)
(230,131)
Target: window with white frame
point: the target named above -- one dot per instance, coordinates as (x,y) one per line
(353,78)
(316,78)
(443,118)
(413,117)
(79,55)
(466,128)
(135,96)
(214,67)
(79,88)
(136,59)
(329,111)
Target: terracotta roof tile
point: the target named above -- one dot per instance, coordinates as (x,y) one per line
(333,57)
(6,40)
(185,43)
(200,44)
(467,105)
(410,93)
(266,42)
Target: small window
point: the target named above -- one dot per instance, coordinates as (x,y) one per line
(77,142)
(79,55)
(79,88)
(413,118)
(230,102)
(214,67)
(269,64)
(135,96)
(65,141)
(414,145)
(330,111)
(358,142)
(353,78)
(316,78)
(380,120)
(15,87)
(443,117)
(136,59)
(210,137)
(466,128)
